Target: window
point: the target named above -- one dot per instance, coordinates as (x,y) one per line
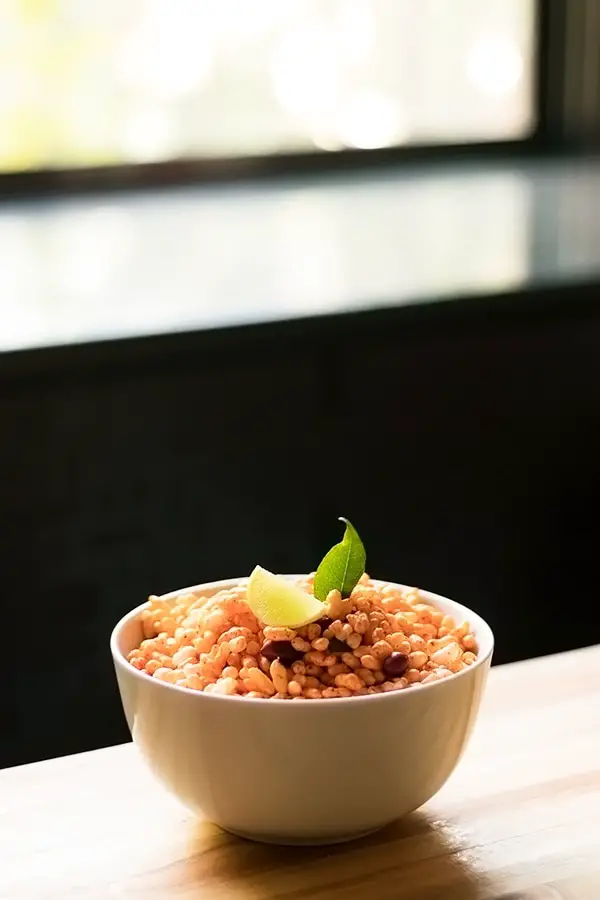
(87,83)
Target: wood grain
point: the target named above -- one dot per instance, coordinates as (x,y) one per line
(519,820)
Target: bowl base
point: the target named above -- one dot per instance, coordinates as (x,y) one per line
(302,841)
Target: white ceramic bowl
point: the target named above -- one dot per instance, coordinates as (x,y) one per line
(318,771)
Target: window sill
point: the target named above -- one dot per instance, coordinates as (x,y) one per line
(104,268)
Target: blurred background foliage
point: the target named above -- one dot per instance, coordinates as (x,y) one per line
(84,83)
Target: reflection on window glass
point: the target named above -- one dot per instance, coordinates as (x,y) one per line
(84,82)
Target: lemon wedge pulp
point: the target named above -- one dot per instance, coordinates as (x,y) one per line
(276,601)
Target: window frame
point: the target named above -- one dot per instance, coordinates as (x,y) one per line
(563,46)
(569,74)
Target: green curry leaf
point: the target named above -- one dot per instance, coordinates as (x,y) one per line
(341,568)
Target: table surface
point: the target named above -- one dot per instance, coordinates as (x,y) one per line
(520,818)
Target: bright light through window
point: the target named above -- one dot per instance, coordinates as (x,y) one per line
(84,82)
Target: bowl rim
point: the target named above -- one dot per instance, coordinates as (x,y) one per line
(481,628)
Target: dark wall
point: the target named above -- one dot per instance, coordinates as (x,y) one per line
(463,445)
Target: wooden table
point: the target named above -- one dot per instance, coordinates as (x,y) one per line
(520,819)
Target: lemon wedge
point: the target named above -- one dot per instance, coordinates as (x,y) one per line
(276,601)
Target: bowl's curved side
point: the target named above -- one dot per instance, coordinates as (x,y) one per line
(308,771)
